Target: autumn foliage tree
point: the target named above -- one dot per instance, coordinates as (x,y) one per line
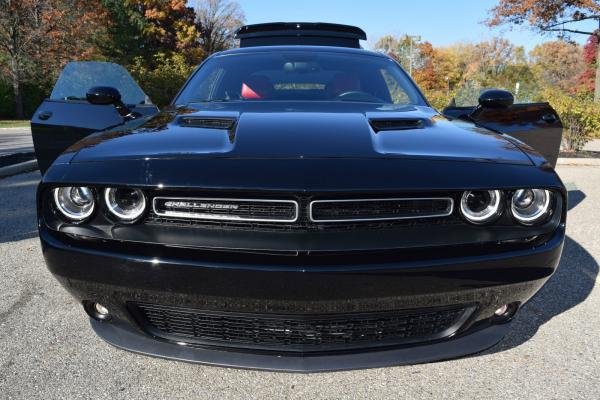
(550,16)
(143,28)
(37,36)
(558,64)
(586,79)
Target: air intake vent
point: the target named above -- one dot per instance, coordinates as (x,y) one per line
(209,123)
(396,124)
(300,332)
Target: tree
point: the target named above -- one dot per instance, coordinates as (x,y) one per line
(143,28)
(217,22)
(557,64)
(125,39)
(403,49)
(585,81)
(550,16)
(38,35)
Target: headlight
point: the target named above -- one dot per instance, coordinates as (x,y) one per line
(529,206)
(481,206)
(125,203)
(75,203)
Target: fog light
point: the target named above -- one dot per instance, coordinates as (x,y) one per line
(501,311)
(96,311)
(505,313)
(101,310)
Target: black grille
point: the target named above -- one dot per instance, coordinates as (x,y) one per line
(379,209)
(226,209)
(300,332)
(277,216)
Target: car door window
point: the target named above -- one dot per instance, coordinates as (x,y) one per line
(79,76)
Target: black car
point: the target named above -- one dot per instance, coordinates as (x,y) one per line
(300,206)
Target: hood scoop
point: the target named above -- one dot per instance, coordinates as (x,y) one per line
(226,123)
(397,124)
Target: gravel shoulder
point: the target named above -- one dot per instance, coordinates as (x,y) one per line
(48,350)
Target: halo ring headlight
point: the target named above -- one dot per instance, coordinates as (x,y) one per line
(74,202)
(481,206)
(126,204)
(530,206)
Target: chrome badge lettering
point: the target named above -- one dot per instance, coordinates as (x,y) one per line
(200,205)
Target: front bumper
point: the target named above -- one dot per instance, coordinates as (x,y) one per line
(112,275)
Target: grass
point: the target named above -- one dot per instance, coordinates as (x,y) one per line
(14,124)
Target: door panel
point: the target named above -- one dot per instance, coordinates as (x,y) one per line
(536,124)
(57,124)
(66,117)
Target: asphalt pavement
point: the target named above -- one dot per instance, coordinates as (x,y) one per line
(48,350)
(15,140)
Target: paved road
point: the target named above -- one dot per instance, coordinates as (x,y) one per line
(47,349)
(15,140)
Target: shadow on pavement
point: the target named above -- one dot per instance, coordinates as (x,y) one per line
(570,285)
(575,197)
(17,202)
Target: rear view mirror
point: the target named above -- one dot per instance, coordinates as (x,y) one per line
(103,95)
(496,98)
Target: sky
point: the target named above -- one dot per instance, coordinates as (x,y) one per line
(441,22)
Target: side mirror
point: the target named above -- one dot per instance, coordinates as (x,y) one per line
(106,95)
(496,98)
(103,95)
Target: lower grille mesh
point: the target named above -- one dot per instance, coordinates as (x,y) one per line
(300,332)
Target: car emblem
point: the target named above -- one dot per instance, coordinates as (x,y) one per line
(201,205)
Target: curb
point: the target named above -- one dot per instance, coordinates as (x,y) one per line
(18,168)
(588,162)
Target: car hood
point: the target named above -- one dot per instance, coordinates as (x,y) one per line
(301,131)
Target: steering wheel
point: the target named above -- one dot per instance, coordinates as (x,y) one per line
(357,95)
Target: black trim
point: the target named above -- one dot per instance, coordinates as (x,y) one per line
(123,337)
(300,33)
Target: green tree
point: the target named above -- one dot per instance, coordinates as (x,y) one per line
(143,28)
(162,79)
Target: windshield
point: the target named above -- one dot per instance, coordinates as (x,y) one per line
(300,76)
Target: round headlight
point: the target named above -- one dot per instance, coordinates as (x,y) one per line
(529,206)
(74,202)
(481,206)
(125,203)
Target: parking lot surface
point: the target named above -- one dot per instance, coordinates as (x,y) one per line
(15,140)
(48,350)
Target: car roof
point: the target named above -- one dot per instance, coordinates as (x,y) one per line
(277,49)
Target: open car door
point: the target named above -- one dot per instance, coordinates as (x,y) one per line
(67,117)
(536,124)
